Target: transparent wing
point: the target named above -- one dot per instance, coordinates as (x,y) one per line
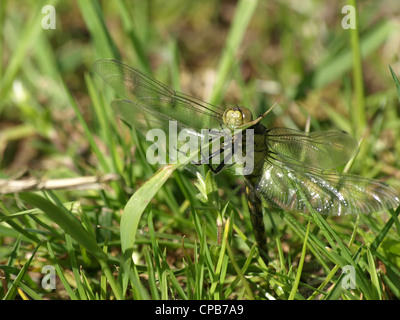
(174,136)
(324,150)
(329,193)
(143,118)
(150,95)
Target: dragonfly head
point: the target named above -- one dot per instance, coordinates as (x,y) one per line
(236,116)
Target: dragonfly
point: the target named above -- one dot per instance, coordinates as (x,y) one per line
(293,170)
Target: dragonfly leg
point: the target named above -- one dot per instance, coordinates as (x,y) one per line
(222,165)
(205,160)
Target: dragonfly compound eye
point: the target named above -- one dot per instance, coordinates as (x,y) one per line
(237,116)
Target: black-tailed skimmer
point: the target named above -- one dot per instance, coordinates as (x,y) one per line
(293,170)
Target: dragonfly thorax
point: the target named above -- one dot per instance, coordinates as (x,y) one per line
(236,116)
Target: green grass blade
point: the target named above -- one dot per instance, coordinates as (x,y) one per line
(94,19)
(244,12)
(10,295)
(152,280)
(370,41)
(396,82)
(392,274)
(300,268)
(107,124)
(239,272)
(29,291)
(66,221)
(60,274)
(26,41)
(75,268)
(133,28)
(384,231)
(15,226)
(377,290)
(337,290)
(138,202)
(88,133)
(103,277)
(359,118)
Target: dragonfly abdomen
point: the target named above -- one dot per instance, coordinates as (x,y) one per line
(251,180)
(256,216)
